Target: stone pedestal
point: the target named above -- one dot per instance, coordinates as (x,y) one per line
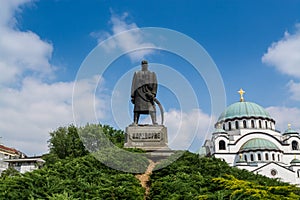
(151,138)
(147,137)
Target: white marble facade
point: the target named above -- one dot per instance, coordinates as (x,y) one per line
(245,137)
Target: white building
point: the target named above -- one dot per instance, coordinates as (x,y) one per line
(10,157)
(245,137)
(7,153)
(27,164)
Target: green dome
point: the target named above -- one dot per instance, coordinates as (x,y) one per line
(295,161)
(290,131)
(244,109)
(258,144)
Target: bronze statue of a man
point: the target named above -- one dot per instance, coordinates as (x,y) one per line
(143,93)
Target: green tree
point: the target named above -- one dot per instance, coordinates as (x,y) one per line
(65,142)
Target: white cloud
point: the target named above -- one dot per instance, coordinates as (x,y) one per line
(186,127)
(284,54)
(127,41)
(284,116)
(294,89)
(30,105)
(30,113)
(8,8)
(21,52)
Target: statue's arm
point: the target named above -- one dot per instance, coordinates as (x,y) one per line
(133,87)
(154,90)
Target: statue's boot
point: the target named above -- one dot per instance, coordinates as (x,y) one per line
(136,118)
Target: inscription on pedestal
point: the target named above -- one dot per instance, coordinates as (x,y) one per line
(146,137)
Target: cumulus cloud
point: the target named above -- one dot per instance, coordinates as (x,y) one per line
(127,41)
(30,113)
(284,54)
(31,104)
(186,128)
(21,52)
(294,89)
(284,116)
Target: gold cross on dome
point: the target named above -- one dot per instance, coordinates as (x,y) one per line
(241,92)
(289,126)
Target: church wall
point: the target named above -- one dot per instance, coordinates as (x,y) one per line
(281,173)
(229,158)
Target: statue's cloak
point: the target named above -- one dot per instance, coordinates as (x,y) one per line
(143,89)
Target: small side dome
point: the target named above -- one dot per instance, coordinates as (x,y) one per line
(290,131)
(295,161)
(219,129)
(258,144)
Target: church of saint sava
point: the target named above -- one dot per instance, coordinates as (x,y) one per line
(245,137)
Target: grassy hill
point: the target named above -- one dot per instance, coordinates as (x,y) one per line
(79,175)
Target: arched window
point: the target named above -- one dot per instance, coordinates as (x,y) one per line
(222,145)
(258,156)
(252,124)
(267,156)
(223,126)
(259,123)
(237,125)
(252,157)
(266,124)
(244,124)
(298,173)
(295,145)
(245,157)
(278,157)
(229,125)
(273,156)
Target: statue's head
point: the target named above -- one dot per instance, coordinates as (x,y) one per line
(144,65)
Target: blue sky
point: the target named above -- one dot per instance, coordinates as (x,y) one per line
(254,44)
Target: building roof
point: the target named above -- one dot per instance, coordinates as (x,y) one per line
(8,150)
(34,159)
(258,144)
(244,109)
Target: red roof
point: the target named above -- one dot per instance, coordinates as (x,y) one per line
(8,150)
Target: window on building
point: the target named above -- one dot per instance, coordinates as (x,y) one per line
(278,157)
(266,124)
(295,145)
(245,157)
(222,145)
(252,157)
(229,125)
(267,156)
(245,124)
(223,126)
(259,156)
(273,156)
(237,125)
(252,124)
(298,173)
(259,123)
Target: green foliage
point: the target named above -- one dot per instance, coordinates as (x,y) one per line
(104,142)
(191,177)
(9,172)
(242,189)
(72,173)
(79,178)
(65,142)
